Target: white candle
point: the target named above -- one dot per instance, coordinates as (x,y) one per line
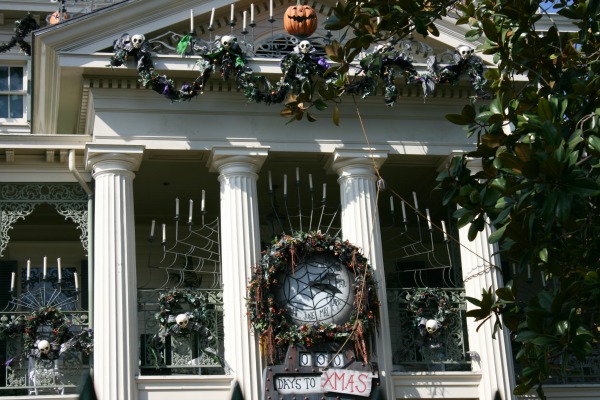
(28,269)
(324,190)
(428,218)
(152,228)
(444,230)
(59,269)
(392,203)
(297,174)
(191,20)
(310,181)
(212,17)
(45,267)
(164,231)
(232,13)
(415,199)
(270,9)
(177,207)
(403,210)
(244,23)
(514,269)
(202,203)
(528,271)
(252,13)
(270,182)
(284,184)
(543,278)
(12,282)
(191,209)
(76,280)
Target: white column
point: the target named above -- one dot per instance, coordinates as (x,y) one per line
(115,301)
(360,225)
(492,357)
(240,250)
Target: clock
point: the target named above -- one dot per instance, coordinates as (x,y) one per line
(318,289)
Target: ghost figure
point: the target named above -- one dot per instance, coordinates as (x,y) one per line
(182,320)
(44,346)
(432,326)
(304,47)
(228,41)
(463,52)
(137,40)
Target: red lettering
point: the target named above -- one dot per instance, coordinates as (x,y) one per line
(341,377)
(328,379)
(350,383)
(360,379)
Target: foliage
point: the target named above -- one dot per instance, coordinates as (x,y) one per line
(272,321)
(23,27)
(429,303)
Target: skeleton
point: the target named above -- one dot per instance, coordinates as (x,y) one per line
(228,41)
(463,52)
(44,346)
(432,326)
(182,320)
(304,47)
(137,40)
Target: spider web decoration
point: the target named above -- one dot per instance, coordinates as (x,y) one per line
(194,254)
(308,212)
(414,238)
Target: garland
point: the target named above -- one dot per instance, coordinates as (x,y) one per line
(429,304)
(23,27)
(174,321)
(273,323)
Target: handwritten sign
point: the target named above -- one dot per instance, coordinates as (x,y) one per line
(298,384)
(347,381)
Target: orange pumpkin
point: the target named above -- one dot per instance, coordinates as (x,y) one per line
(300,21)
(55,18)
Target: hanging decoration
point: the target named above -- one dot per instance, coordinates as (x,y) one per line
(182,313)
(61,339)
(430,309)
(300,20)
(274,324)
(23,27)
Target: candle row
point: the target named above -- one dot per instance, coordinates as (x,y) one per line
(44,273)
(429,224)
(310,183)
(190,215)
(232,16)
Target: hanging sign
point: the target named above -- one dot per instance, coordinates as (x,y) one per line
(347,381)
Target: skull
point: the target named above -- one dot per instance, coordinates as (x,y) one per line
(228,41)
(44,346)
(182,320)
(431,325)
(464,51)
(304,46)
(137,40)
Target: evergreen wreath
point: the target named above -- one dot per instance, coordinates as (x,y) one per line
(23,27)
(426,304)
(273,323)
(173,320)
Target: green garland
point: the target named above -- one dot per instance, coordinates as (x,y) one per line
(273,323)
(23,27)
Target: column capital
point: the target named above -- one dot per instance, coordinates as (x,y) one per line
(247,159)
(363,159)
(126,157)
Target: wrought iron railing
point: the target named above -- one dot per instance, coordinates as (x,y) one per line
(23,375)
(192,355)
(447,350)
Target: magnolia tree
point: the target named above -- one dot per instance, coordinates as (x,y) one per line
(538,144)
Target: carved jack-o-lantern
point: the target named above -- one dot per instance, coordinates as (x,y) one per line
(300,21)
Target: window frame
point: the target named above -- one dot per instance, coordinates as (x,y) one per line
(24,92)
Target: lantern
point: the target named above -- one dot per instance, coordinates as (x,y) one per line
(300,21)
(54,18)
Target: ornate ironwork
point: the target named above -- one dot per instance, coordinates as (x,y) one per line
(17,201)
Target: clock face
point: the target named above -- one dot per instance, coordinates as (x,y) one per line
(318,290)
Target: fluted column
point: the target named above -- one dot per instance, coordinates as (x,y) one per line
(493,357)
(240,250)
(360,225)
(115,304)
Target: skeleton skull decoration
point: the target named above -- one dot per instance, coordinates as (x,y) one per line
(431,326)
(137,40)
(304,47)
(182,320)
(464,51)
(227,41)
(44,346)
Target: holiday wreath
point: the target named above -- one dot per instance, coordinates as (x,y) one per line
(430,309)
(273,323)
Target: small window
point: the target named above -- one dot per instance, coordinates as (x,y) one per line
(13,93)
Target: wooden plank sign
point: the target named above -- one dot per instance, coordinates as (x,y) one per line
(357,383)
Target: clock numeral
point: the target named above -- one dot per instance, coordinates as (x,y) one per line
(305,359)
(338,361)
(322,359)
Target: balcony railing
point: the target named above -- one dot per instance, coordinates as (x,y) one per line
(447,350)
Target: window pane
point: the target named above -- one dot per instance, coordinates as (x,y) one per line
(16,78)
(16,106)
(3,106)
(3,78)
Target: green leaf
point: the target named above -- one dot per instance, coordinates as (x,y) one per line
(457,119)
(497,234)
